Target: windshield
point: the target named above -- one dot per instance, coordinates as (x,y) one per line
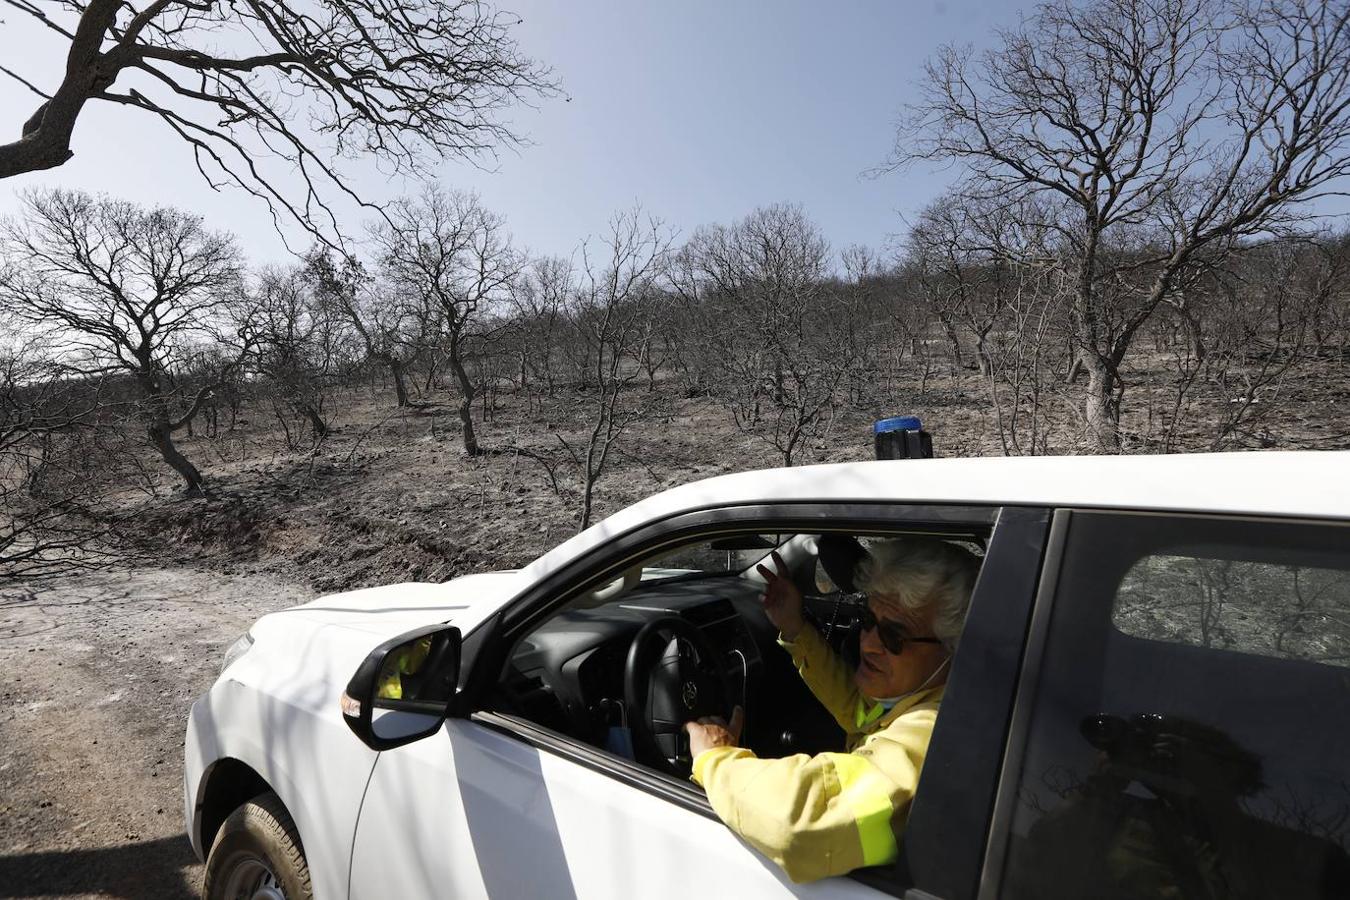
(718,556)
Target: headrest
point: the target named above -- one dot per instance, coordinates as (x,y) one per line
(839,555)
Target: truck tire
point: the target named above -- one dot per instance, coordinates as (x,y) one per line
(257,854)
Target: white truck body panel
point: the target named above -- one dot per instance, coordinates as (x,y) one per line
(467,802)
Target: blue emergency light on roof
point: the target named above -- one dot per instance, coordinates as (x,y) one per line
(902,437)
(897,423)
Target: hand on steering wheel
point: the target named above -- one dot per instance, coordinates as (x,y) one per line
(712,731)
(673,675)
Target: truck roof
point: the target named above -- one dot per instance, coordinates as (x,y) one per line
(1306,484)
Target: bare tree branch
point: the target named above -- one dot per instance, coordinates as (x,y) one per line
(328,80)
(1177,129)
(128,289)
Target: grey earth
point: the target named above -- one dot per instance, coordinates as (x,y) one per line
(97,673)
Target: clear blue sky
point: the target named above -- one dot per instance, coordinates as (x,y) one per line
(700,110)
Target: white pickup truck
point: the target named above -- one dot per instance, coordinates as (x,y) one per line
(1151,696)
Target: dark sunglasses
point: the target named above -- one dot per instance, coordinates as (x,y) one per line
(893,636)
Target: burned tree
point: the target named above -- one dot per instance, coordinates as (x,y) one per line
(50,502)
(446,250)
(300,344)
(758,291)
(980,266)
(1254,319)
(1177,128)
(539,301)
(126,290)
(244,83)
(613,303)
(392,328)
(956,253)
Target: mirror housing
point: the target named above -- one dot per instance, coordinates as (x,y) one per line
(402,691)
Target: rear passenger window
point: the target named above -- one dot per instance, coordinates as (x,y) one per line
(1190,731)
(1266,608)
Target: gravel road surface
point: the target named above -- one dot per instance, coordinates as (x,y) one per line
(97,672)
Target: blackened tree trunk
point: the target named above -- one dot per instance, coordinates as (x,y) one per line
(1101,405)
(466,397)
(316,421)
(400,384)
(161,436)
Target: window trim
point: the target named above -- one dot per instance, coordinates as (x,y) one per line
(952,816)
(1005,802)
(615,554)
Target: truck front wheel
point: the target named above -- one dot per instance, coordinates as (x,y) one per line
(257,855)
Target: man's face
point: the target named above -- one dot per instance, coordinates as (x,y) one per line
(882,673)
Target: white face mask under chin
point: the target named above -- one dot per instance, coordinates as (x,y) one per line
(891,701)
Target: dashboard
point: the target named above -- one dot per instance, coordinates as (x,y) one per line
(568,675)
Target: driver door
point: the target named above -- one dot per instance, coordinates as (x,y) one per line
(498,805)
(495,805)
(475,811)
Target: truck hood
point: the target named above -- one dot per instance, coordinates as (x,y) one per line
(392,609)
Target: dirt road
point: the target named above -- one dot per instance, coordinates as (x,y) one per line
(97,672)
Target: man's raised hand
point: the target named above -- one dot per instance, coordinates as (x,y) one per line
(782,601)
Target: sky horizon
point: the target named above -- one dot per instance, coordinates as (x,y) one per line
(699,114)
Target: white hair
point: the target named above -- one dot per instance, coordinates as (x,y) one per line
(922,572)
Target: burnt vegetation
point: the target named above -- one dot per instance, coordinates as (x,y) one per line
(1131,260)
(413,414)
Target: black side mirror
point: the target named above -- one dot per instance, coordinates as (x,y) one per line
(402,691)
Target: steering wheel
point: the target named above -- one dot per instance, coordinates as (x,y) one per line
(672,676)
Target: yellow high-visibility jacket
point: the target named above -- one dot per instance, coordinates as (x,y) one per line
(833,812)
(403,661)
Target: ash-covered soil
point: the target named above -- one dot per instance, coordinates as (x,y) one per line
(390,495)
(97,672)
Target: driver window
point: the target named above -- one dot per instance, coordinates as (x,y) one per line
(694,631)
(575,672)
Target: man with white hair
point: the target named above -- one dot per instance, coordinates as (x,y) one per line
(834,812)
